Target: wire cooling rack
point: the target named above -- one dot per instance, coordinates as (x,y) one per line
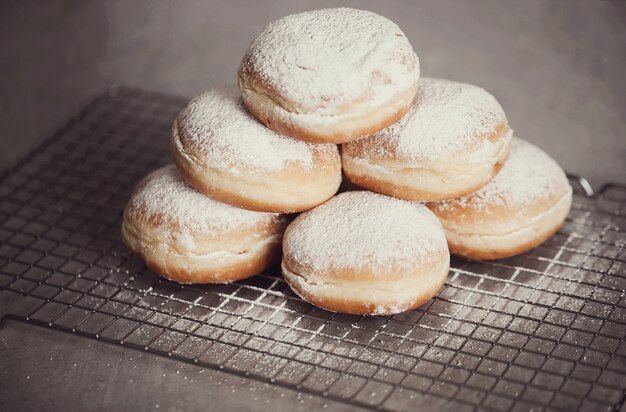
(545,330)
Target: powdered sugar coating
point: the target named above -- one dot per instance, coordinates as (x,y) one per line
(364,228)
(164,197)
(319,62)
(218,129)
(529,175)
(447,118)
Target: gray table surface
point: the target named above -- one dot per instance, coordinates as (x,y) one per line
(557,67)
(48,370)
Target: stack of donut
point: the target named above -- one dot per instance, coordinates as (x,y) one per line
(433,166)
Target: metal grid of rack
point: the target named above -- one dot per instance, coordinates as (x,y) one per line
(545,330)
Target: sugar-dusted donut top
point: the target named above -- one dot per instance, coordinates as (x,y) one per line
(528,176)
(323,61)
(447,118)
(166,200)
(218,129)
(356,229)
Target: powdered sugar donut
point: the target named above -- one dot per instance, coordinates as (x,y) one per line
(366,253)
(223,151)
(519,209)
(452,142)
(329,76)
(191,238)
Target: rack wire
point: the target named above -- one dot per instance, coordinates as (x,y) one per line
(544,330)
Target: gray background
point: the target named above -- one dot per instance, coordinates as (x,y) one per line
(557,67)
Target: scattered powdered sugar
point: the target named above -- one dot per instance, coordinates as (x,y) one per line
(164,196)
(356,228)
(217,128)
(322,60)
(446,118)
(391,309)
(528,175)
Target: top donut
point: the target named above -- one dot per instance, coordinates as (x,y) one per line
(330,75)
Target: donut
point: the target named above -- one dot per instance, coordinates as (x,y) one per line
(225,153)
(366,253)
(452,142)
(519,209)
(329,76)
(190,238)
